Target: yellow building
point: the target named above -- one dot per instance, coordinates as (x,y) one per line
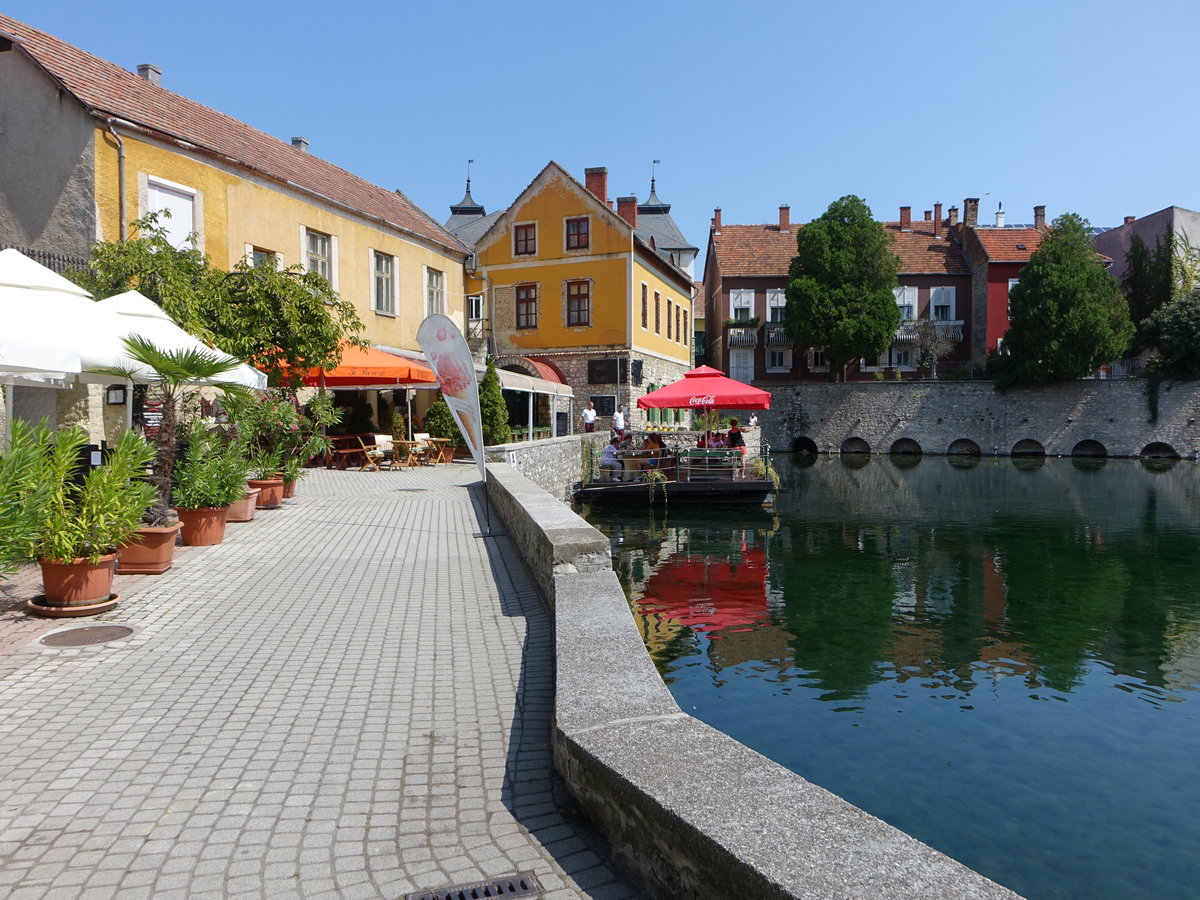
(89,147)
(564,284)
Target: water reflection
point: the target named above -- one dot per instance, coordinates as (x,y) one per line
(1020,627)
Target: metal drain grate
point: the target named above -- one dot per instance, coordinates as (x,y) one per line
(87,635)
(523,884)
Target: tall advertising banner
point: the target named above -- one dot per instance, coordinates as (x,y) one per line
(454,367)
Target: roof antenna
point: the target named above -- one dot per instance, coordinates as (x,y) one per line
(653,163)
(469,162)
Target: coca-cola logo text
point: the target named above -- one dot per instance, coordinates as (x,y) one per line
(707,400)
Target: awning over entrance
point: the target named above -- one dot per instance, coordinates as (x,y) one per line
(518,381)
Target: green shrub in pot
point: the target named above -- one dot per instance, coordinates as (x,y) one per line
(210,473)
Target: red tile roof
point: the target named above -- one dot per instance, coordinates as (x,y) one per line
(110,90)
(1009,244)
(753,251)
(923,254)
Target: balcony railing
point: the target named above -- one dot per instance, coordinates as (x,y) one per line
(906,333)
(743,335)
(777,336)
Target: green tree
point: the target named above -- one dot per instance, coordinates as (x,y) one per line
(1149,282)
(493,409)
(439,422)
(1067,316)
(839,293)
(282,320)
(1175,329)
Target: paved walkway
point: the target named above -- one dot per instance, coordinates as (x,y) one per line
(349,697)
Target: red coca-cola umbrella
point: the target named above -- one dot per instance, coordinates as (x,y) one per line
(706,388)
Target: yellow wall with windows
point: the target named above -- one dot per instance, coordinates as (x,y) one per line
(238,209)
(648,339)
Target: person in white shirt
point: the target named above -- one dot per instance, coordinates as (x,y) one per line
(619,421)
(588,417)
(753,420)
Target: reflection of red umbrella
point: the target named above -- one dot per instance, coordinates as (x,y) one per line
(369,366)
(708,594)
(703,388)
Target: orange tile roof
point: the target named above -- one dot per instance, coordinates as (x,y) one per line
(923,254)
(1009,244)
(108,89)
(753,251)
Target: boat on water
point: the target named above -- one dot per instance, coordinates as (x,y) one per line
(688,477)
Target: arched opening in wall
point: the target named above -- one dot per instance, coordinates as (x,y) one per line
(963,447)
(905,447)
(1089,448)
(1158,450)
(804,445)
(855,445)
(1028,447)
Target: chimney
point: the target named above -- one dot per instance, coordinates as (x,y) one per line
(300,143)
(953,216)
(596,181)
(1000,216)
(716,220)
(1039,217)
(627,210)
(971,212)
(1129,220)
(928,215)
(785,218)
(937,220)
(151,73)
(906,218)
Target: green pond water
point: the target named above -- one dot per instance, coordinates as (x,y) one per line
(1000,657)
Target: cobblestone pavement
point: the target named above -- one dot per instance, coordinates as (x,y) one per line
(349,697)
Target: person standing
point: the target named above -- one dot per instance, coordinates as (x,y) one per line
(588,417)
(619,420)
(753,420)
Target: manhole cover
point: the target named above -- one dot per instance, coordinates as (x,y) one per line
(88,634)
(523,884)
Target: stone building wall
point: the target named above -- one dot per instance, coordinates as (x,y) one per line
(1116,414)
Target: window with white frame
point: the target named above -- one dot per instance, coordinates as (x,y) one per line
(902,359)
(383,268)
(435,291)
(741,304)
(1012,283)
(741,365)
(941,304)
(525,239)
(906,299)
(176,204)
(259,256)
(577,233)
(779,360)
(317,253)
(776,302)
(817,360)
(475,307)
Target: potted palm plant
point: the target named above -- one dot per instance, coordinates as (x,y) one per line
(85,518)
(22,495)
(208,477)
(174,377)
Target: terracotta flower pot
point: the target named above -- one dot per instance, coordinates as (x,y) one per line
(203,527)
(77,588)
(289,488)
(243,510)
(270,492)
(151,552)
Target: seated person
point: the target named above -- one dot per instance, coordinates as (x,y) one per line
(716,440)
(654,444)
(609,464)
(627,443)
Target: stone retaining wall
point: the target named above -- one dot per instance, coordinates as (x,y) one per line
(935,414)
(693,812)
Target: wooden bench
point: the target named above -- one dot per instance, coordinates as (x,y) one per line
(347,450)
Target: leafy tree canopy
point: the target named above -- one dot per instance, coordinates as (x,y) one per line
(277,318)
(1067,316)
(493,409)
(1149,282)
(839,293)
(1175,329)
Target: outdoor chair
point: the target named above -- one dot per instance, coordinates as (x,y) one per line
(373,456)
(428,448)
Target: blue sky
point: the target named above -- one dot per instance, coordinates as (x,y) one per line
(1085,107)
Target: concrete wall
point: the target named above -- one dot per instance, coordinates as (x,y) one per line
(46,198)
(690,810)
(935,414)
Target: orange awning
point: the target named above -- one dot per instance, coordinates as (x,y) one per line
(369,367)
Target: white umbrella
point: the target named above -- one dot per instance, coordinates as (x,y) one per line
(39,312)
(132,313)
